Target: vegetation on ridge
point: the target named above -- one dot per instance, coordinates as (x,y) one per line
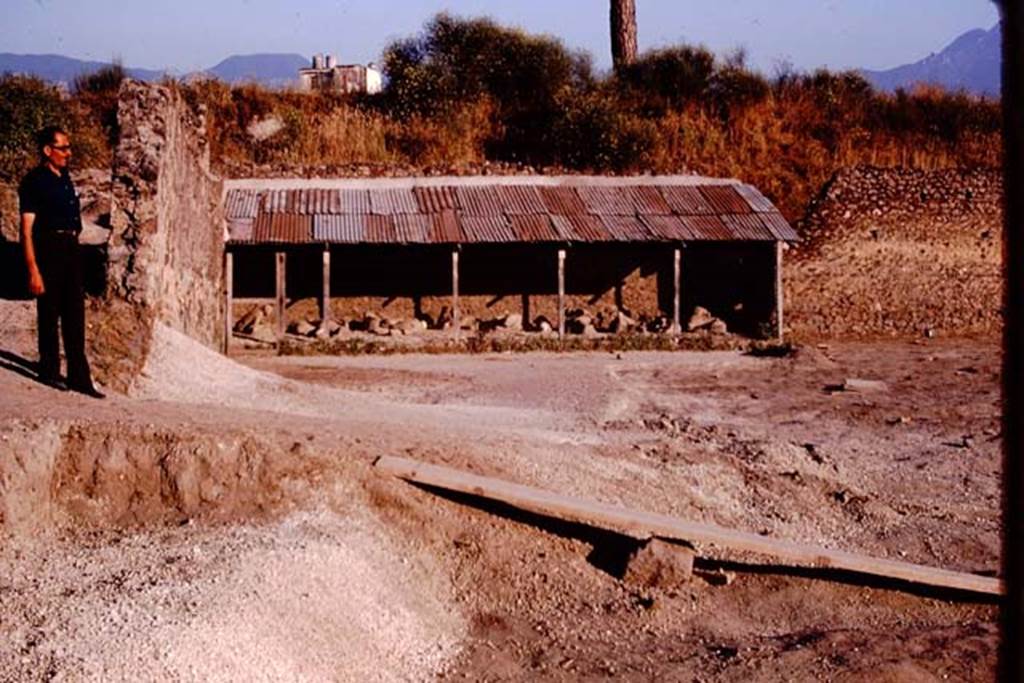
(468,91)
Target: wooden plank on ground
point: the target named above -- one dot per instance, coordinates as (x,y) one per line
(645,524)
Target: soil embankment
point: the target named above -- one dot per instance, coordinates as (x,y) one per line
(899,253)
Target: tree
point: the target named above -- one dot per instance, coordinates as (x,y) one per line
(623,24)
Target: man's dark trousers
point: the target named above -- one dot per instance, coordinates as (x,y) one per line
(63,300)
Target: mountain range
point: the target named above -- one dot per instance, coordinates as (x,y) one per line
(970,63)
(272,70)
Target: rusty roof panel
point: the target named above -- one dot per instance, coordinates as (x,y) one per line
(387,202)
(444,228)
(686,200)
(779,227)
(607,201)
(747,227)
(411,228)
(757,201)
(478,201)
(434,199)
(380,229)
(339,228)
(520,199)
(534,228)
(669,228)
(725,199)
(240,229)
(562,201)
(706,228)
(648,201)
(241,204)
(288,228)
(487,229)
(580,228)
(626,228)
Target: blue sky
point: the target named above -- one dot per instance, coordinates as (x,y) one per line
(185,35)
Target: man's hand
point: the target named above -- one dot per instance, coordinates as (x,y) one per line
(35,283)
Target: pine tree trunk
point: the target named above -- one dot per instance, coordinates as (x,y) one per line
(623,21)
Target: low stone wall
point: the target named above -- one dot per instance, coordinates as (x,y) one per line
(166,242)
(899,253)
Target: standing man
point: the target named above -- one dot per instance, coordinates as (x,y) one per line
(50,223)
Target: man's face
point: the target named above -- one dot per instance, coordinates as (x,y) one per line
(58,152)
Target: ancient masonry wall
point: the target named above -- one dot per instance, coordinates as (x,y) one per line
(166,243)
(899,253)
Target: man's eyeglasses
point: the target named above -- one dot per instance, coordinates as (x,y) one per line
(60,148)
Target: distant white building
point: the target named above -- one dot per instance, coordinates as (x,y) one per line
(326,75)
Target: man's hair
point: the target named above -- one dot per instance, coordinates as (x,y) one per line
(47,136)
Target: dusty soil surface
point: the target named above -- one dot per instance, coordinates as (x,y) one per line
(305,564)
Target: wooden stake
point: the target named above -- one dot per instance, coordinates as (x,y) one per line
(677,258)
(229,287)
(647,524)
(561,293)
(325,292)
(281,294)
(779,324)
(456,319)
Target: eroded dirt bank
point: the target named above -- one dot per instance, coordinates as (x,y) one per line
(288,541)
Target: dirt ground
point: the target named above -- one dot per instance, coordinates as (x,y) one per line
(337,573)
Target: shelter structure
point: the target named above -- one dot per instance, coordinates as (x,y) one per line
(541,242)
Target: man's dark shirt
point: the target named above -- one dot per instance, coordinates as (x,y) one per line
(52,199)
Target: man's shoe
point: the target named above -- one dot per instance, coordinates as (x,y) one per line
(89,391)
(53,382)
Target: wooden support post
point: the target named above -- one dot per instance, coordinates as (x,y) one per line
(281,294)
(677,269)
(229,287)
(456,319)
(325,292)
(779,325)
(561,293)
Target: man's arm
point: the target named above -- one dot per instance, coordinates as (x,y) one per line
(35,278)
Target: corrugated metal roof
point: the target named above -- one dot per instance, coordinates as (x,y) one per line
(724,199)
(779,227)
(747,227)
(505,213)
(390,201)
(534,228)
(445,229)
(757,201)
(354,201)
(380,229)
(648,200)
(706,228)
(413,228)
(241,204)
(562,201)
(289,228)
(667,227)
(487,229)
(339,228)
(478,201)
(686,201)
(626,229)
(580,228)
(520,199)
(606,201)
(434,199)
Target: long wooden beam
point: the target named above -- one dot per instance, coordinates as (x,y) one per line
(561,293)
(646,524)
(281,295)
